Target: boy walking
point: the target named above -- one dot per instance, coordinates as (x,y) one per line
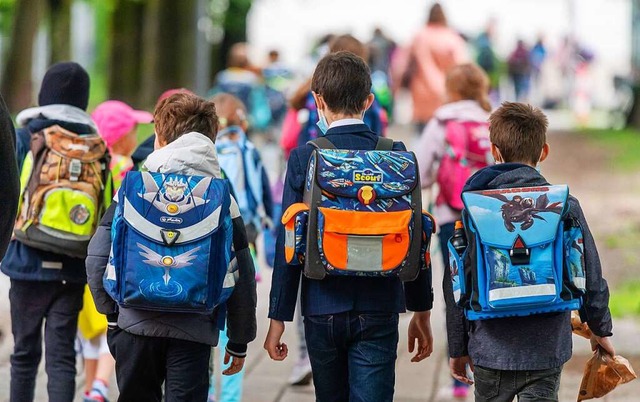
(523,356)
(351,322)
(165,346)
(47,285)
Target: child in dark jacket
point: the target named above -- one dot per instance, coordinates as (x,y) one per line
(523,356)
(351,323)
(152,348)
(47,287)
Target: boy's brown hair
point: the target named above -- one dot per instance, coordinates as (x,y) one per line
(519,131)
(344,82)
(183,113)
(231,111)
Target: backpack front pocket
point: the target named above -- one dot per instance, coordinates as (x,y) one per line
(363,242)
(294,220)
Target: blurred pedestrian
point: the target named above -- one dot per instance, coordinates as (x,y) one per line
(434,50)
(519,65)
(241,79)
(47,274)
(453,146)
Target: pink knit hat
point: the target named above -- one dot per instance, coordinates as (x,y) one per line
(115,119)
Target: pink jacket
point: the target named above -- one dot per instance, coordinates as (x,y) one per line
(435,49)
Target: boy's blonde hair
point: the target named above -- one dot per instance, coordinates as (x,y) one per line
(230,109)
(519,131)
(183,113)
(470,82)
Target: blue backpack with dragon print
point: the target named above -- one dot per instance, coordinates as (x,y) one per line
(171,244)
(524,254)
(361,215)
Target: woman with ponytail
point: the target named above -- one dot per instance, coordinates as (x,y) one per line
(453,146)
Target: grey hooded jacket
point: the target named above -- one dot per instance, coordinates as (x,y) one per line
(191,154)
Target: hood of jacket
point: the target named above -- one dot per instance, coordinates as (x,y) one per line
(63,113)
(467,110)
(192,154)
(505,175)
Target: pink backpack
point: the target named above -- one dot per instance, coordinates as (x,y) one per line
(467,150)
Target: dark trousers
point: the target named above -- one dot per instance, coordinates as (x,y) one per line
(143,363)
(56,304)
(529,386)
(353,355)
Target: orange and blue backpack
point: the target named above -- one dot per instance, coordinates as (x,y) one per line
(361,214)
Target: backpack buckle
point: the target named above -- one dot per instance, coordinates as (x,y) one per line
(75,169)
(519,253)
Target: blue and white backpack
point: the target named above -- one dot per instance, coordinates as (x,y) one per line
(242,166)
(171,244)
(524,254)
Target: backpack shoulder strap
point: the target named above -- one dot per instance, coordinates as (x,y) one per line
(322,143)
(384,144)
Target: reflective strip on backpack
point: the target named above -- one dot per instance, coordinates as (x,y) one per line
(187,234)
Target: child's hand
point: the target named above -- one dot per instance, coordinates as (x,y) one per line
(277,350)
(458,368)
(237,363)
(420,332)
(604,342)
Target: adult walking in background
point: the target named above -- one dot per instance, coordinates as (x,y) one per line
(9,185)
(434,50)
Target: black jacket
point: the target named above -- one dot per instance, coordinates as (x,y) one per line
(9,177)
(535,342)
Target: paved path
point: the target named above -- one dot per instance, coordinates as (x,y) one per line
(265,380)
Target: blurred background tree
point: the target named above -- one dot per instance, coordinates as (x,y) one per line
(136,48)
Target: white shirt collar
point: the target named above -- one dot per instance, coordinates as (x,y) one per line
(345,122)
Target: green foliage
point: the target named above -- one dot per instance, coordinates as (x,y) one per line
(625,301)
(6,16)
(623,145)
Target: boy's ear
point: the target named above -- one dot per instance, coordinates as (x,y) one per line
(544,153)
(497,156)
(319,101)
(369,101)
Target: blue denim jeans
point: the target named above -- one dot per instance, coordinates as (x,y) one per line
(529,386)
(353,355)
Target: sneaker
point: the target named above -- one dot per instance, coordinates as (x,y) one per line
(95,396)
(460,391)
(301,373)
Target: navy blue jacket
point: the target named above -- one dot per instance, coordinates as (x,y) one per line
(22,262)
(337,294)
(536,342)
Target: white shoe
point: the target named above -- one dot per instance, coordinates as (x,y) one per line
(301,373)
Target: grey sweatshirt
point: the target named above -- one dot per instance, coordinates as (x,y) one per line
(535,342)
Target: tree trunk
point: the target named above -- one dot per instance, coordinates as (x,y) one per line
(235,30)
(16,80)
(60,30)
(169,47)
(125,61)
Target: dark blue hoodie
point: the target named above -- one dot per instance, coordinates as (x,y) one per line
(535,342)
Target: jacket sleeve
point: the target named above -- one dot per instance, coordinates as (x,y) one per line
(9,181)
(430,151)
(96,263)
(267,198)
(241,306)
(285,278)
(418,294)
(595,308)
